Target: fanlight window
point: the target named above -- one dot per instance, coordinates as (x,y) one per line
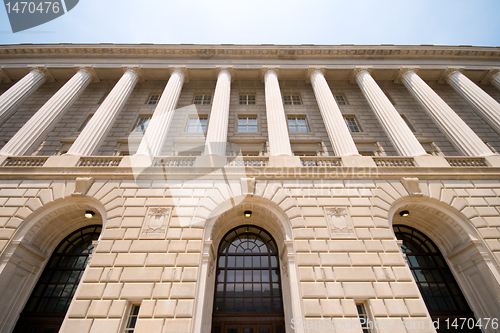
(248,283)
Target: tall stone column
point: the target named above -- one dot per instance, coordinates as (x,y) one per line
(398,132)
(12,98)
(44,120)
(154,137)
(484,104)
(219,117)
(279,141)
(338,133)
(101,122)
(461,135)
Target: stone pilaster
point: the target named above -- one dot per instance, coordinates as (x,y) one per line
(279,141)
(219,116)
(155,134)
(398,132)
(483,103)
(99,125)
(448,121)
(44,120)
(12,98)
(338,133)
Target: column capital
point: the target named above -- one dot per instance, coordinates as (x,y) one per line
(490,75)
(403,71)
(312,70)
(3,76)
(42,70)
(449,71)
(89,69)
(181,69)
(358,70)
(136,69)
(229,69)
(265,69)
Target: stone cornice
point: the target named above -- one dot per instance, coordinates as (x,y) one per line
(279,52)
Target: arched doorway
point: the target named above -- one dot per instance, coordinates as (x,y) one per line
(248,297)
(440,291)
(51,297)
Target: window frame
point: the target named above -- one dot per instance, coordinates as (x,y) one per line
(203,98)
(357,125)
(152,98)
(296,117)
(198,117)
(247,117)
(247,99)
(129,315)
(365,328)
(291,96)
(340,95)
(134,128)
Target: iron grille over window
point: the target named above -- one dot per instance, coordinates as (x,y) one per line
(435,281)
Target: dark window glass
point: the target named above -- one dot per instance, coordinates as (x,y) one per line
(435,281)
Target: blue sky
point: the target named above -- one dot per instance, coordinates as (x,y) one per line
(361,22)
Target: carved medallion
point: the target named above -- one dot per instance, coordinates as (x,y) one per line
(339,222)
(156,222)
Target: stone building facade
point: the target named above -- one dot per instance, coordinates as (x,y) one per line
(231,188)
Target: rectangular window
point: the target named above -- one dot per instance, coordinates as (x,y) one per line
(197,125)
(153,99)
(142,124)
(132,318)
(408,123)
(340,99)
(290,99)
(202,99)
(247,99)
(352,124)
(297,125)
(86,121)
(363,318)
(247,124)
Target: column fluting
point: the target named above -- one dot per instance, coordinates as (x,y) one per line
(279,141)
(101,122)
(43,121)
(457,131)
(398,132)
(483,103)
(154,137)
(15,95)
(219,116)
(338,132)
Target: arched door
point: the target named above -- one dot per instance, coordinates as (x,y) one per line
(52,295)
(248,296)
(439,289)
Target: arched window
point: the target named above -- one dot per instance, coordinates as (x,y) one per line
(439,289)
(52,295)
(248,295)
